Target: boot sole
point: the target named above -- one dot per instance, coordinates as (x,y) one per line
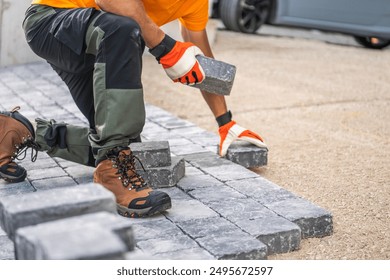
(163,205)
(11,179)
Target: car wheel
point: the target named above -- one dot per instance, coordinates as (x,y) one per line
(372,42)
(244,15)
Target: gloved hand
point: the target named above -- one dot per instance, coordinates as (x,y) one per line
(179,61)
(232,131)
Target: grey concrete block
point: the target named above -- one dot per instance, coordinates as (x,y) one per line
(8,189)
(219,75)
(205,139)
(261,190)
(234,245)
(246,154)
(154,229)
(179,142)
(164,244)
(185,210)
(75,244)
(137,255)
(191,170)
(191,148)
(207,227)
(26,237)
(186,254)
(151,127)
(38,207)
(230,172)
(176,193)
(168,176)
(313,220)
(171,122)
(41,163)
(239,209)
(152,154)
(215,193)
(194,182)
(48,184)
(207,159)
(279,234)
(46,173)
(80,172)
(7,251)
(188,131)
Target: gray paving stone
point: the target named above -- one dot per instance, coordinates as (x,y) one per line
(246,154)
(179,142)
(151,127)
(219,76)
(215,193)
(80,173)
(171,122)
(137,254)
(7,251)
(313,220)
(46,173)
(76,244)
(191,170)
(261,190)
(52,183)
(183,150)
(38,207)
(186,254)
(168,176)
(205,138)
(207,227)
(165,244)
(188,131)
(26,237)
(234,245)
(10,189)
(154,229)
(194,182)
(152,153)
(41,163)
(207,159)
(279,234)
(176,193)
(184,210)
(161,136)
(240,209)
(229,172)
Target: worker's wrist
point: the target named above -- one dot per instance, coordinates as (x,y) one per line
(164,47)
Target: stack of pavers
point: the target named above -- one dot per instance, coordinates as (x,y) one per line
(220,208)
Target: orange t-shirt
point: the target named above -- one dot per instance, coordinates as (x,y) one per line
(193,14)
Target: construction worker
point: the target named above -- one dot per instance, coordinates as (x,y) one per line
(96,48)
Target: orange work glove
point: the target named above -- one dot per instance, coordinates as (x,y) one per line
(179,61)
(232,131)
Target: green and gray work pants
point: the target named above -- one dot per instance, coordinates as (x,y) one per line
(99,57)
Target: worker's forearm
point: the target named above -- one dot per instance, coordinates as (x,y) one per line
(134,9)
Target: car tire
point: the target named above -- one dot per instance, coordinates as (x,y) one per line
(244,15)
(369,42)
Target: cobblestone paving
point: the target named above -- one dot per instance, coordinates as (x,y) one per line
(221,209)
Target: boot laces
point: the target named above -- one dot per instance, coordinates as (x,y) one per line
(125,164)
(21,149)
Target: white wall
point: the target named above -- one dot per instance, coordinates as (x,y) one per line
(13,46)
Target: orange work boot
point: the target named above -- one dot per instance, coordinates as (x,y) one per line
(16,135)
(134,197)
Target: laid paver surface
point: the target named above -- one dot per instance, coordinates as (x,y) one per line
(221,210)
